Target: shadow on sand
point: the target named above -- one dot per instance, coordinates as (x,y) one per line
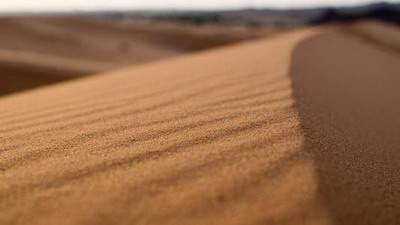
(348,93)
(16,77)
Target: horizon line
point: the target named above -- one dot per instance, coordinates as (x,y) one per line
(187,9)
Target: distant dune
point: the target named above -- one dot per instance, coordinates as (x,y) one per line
(300,128)
(384,35)
(36,51)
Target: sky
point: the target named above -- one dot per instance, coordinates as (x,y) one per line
(87,5)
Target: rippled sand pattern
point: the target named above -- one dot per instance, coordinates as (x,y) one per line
(266,132)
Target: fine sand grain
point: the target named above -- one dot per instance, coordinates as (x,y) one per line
(303,128)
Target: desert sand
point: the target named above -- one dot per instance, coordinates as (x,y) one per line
(301,128)
(36,51)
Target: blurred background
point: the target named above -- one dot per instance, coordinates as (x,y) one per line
(47,41)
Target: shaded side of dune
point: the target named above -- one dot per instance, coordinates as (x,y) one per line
(347,94)
(17,76)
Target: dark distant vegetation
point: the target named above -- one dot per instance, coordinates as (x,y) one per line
(383,11)
(388,12)
(191,18)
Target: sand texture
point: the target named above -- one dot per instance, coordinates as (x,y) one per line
(301,128)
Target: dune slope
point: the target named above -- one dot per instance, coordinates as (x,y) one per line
(269,132)
(37,51)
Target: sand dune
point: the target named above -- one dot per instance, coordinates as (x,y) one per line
(36,51)
(384,35)
(302,128)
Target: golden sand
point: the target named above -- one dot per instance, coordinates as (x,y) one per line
(303,128)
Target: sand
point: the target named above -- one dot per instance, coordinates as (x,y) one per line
(37,51)
(302,128)
(385,35)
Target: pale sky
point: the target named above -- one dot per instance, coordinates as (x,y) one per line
(83,5)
